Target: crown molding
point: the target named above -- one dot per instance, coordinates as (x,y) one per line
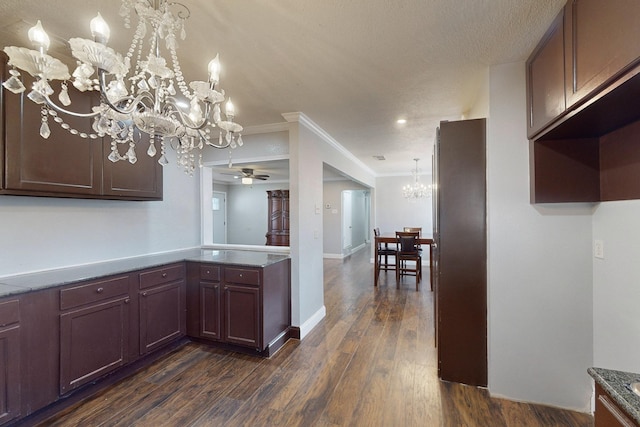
(268,128)
(311,125)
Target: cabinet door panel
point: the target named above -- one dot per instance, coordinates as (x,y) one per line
(210,310)
(162,315)
(93,342)
(10,373)
(63,163)
(242,321)
(142,180)
(546,79)
(603,43)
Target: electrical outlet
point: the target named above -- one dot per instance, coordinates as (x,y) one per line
(598,249)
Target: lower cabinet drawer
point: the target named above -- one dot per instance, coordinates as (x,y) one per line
(165,274)
(242,276)
(99,290)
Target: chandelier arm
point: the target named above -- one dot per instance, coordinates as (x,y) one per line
(58,108)
(221,147)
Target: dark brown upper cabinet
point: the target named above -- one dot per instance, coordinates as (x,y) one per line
(65,165)
(583,135)
(603,44)
(546,79)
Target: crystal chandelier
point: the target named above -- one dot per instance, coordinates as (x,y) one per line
(416,190)
(137,90)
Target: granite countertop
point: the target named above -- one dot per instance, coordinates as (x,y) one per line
(22,283)
(616,384)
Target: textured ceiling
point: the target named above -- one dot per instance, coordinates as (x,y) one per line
(352,66)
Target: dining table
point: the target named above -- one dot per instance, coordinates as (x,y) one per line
(393,239)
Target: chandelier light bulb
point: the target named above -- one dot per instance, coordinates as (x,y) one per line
(39,38)
(214,69)
(99,29)
(229,109)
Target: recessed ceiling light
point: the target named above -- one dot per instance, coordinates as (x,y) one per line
(401,121)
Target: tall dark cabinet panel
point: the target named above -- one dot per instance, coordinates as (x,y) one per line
(461,283)
(278,211)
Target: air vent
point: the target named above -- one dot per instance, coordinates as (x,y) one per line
(379,157)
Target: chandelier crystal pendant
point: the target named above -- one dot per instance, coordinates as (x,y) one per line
(137,90)
(416,190)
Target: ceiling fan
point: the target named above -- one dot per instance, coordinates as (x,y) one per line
(248,173)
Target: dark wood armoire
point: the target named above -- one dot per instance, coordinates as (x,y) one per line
(460,233)
(278,221)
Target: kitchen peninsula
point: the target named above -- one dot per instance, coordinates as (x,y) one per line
(67,332)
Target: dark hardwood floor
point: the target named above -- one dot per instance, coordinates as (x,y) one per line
(370,362)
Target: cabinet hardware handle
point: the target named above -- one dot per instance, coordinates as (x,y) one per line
(99,290)
(144,294)
(208,272)
(127,301)
(164,275)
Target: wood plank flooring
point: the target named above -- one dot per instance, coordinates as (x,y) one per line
(370,362)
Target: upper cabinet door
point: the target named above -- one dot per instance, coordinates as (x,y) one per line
(63,163)
(546,79)
(602,44)
(139,181)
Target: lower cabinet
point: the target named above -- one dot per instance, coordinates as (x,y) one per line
(608,413)
(162,306)
(210,310)
(242,320)
(241,306)
(57,341)
(10,372)
(94,330)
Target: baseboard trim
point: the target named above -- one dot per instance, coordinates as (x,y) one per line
(311,323)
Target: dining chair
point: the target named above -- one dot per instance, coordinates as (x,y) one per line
(383,254)
(408,257)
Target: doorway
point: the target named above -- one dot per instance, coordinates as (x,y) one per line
(219,208)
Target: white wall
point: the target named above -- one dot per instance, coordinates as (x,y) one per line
(247,212)
(309,148)
(616,287)
(40,233)
(540,269)
(393,211)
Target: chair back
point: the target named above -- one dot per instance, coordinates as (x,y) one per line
(407,242)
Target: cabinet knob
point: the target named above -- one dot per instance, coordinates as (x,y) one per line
(144,294)
(240,274)
(127,301)
(208,271)
(164,275)
(100,290)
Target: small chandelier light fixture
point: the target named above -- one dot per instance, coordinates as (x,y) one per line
(416,190)
(137,90)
